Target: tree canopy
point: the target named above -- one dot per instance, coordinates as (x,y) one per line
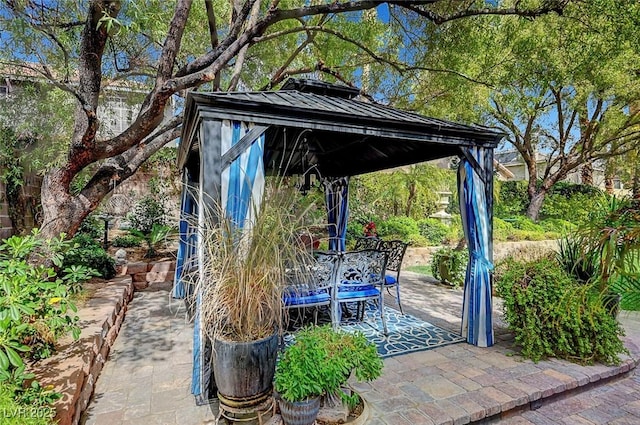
(560,86)
(162,49)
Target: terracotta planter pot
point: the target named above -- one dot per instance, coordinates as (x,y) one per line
(299,412)
(244,371)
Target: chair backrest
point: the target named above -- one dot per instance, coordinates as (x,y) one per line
(369,242)
(365,267)
(324,268)
(396,250)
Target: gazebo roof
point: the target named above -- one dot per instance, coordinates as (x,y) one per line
(312,124)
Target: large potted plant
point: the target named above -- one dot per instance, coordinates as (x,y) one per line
(319,363)
(240,289)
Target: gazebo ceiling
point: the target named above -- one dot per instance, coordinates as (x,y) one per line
(319,126)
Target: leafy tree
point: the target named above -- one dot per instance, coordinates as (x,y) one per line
(157,47)
(561,86)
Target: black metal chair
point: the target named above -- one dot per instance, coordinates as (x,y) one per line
(395,250)
(312,288)
(369,242)
(359,279)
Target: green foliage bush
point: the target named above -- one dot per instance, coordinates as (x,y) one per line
(511,198)
(557,225)
(400,227)
(521,222)
(433,230)
(126,241)
(502,230)
(449,265)
(148,211)
(16,413)
(554,316)
(570,201)
(321,360)
(92,227)
(88,252)
(35,310)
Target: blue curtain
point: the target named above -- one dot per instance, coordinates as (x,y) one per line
(187,243)
(242,186)
(474,188)
(336,192)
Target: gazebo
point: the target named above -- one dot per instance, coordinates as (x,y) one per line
(230,141)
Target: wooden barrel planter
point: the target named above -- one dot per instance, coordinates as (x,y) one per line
(244,371)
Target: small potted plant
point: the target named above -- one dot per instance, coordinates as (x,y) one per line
(319,363)
(449,266)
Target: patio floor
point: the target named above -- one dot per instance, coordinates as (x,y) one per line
(148,375)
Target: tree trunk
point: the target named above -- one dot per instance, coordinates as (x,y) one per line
(535,204)
(587,174)
(62,211)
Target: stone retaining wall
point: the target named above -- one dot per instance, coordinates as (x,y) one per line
(501,250)
(144,274)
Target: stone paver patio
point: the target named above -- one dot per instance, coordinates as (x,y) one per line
(148,375)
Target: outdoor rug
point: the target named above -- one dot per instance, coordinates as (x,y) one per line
(407,334)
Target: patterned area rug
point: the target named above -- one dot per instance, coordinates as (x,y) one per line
(407,334)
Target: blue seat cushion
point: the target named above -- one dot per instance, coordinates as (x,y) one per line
(389,280)
(357,291)
(312,297)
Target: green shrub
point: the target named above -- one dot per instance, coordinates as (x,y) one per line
(522,222)
(570,201)
(321,360)
(126,241)
(16,413)
(433,230)
(92,227)
(511,199)
(502,230)
(398,228)
(147,212)
(552,315)
(557,225)
(156,238)
(35,311)
(450,265)
(89,253)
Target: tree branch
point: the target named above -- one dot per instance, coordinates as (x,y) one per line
(213,36)
(237,69)
(556,6)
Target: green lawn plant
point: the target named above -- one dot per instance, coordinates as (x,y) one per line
(320,362)
(554,315)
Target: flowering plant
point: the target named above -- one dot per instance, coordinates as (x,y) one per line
(369,229)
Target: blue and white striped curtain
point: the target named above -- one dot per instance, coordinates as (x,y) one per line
(242,187)
(474,179)
(187,242)
(336,193)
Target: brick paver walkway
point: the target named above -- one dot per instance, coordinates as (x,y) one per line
(147,378)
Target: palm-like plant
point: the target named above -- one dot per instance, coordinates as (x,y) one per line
(613,234)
